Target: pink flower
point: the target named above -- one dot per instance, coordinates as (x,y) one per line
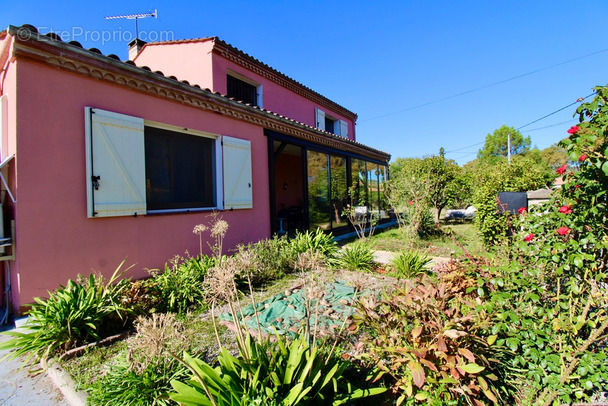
(563,230)
(565,209)
(410,202)
(529,237)
(582,158)
(573,130)
(522,210)
(577,186)
(562,169)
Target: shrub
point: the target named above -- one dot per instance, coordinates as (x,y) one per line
(271,259)
(78,313)
(180,287)
(356,257)
(429,342)
(269,373)
(143,375)
(550,303)
(409,264)
(314,241)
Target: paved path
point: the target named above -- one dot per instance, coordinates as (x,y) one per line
(17,388)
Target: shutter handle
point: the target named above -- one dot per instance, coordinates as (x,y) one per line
(95,180)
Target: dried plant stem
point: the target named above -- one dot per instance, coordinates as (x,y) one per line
(217,335)
(255,310)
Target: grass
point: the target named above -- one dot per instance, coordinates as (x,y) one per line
(443,246)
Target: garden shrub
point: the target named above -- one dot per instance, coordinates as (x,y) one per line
(553,299)
(317,240)
(431,344)
(355,257)
(179,287)
(81,312)
(409,264)
(518,176)
(271,259)
(142,376)
(269,373)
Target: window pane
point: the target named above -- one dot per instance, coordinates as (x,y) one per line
(373,194)
(329,125)
(318,190)
(179,170)
(383,200)
(339,193)
(359,183)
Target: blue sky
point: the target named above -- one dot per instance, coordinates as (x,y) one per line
(421,75)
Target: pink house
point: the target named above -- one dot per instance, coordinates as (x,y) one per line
(103,160)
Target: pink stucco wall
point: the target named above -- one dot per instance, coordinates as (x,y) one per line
(189,61)
(55,239)
(193,61)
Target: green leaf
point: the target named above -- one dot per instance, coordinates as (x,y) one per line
(472,368)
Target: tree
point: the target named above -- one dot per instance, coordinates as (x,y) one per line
(440,175)
(555,156)
(432,182)
(497,143)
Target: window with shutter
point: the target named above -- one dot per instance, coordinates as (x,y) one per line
(135,167)
(325,122)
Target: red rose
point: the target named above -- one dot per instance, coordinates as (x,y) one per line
(529,237)
(573,130)
(582,158)
(565,209)
(563,230)
(562,169)
(522,210)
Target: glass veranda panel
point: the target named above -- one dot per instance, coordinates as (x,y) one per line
(339,192)
(318,190)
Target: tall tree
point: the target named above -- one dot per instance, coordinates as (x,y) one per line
(497,143)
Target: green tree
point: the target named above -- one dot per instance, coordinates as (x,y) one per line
(440,175)
(555,156)
(497,143)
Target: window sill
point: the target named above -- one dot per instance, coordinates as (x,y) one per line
(181,211)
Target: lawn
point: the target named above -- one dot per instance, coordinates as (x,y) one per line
(463,235)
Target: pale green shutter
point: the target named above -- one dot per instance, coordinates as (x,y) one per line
(237,173)
(320,118)
(116,176)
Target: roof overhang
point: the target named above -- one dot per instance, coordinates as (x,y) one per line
(72,58)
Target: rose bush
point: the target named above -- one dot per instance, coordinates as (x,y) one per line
(552,299)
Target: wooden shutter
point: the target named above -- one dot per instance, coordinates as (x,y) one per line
(116,175)
(237,173)
(343,129)
(320,118)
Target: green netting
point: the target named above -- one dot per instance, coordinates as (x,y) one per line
(285,313)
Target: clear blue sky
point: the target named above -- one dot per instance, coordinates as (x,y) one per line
(420,74)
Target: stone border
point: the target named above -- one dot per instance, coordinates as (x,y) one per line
(65,384)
